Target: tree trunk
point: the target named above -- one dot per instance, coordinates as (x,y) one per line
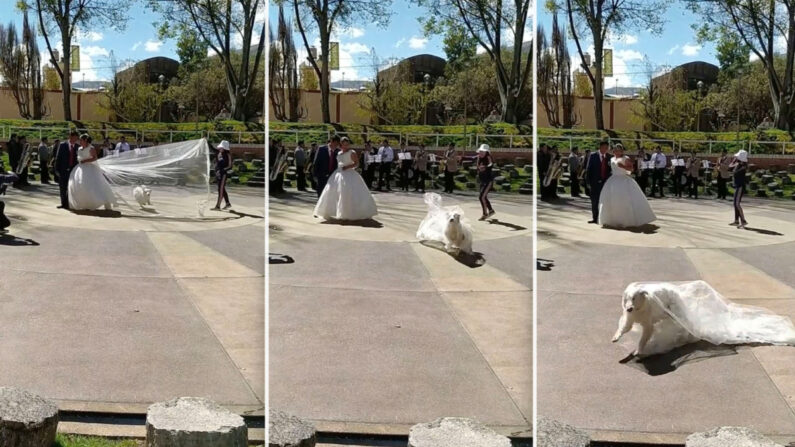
(66,80)
(598,84)
(325,85)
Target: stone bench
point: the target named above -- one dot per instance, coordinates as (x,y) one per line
(552,433)
(729,436)
(455,432)
(286,430)
(194,421)
(26,420)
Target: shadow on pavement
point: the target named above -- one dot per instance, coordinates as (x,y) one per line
(513,227)
(366,223)
(544,265)
(13,241)
(763,231)
(643,229)
(657,365)
(274,258)
(473,260)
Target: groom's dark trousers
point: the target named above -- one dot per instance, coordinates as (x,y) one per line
(323,166)
(597,174)
(65,161)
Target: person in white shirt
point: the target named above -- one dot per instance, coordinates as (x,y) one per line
(122,146)
(659,161)
(387,157)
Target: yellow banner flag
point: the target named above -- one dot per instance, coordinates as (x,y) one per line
(607,63)
(334,56)
(74,63)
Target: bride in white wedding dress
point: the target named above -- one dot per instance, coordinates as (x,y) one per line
(622,203)
(88,188)
(346,196)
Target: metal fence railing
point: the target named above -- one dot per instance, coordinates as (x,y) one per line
(430,140)
(708,147)
(132,135)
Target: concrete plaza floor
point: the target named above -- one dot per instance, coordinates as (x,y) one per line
(110,312)
(372,331)
(581,378)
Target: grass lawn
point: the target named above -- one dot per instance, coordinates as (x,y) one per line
(63,440)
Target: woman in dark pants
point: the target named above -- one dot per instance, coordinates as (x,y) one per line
(740,166)
(486,176)
(223,163)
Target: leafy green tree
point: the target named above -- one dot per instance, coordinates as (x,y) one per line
(459,47)
(496,25)
(192,51)
(227,27)
(60,19)
(593,20)
(761,25)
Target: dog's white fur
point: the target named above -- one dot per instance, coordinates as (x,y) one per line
(143,195)
(638,307)
(457,235)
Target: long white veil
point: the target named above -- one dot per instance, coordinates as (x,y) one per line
(699,312)
(177,173)
(434,224)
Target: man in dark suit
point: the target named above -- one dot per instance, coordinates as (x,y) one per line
(65,161)
(597,175)
(325,163)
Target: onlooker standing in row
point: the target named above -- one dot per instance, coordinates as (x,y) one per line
(122,146)
(310,165)
(693,168)
(44,161)
(404,167)
(723,174)
(299,158)
(657,181)
(585,160)
(450,168)
(387,155)
(679,172)
(420,169)
(574,171)
(641,173)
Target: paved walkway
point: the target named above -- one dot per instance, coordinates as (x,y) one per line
(372,331)
(581,380)
(114,311)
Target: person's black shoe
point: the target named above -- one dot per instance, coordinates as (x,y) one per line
(591,221)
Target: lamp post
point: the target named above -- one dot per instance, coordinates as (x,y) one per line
(426,83)
(700,87)
(162,82)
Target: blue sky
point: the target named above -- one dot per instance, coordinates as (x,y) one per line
(402,37)
(676,45)
(138,41)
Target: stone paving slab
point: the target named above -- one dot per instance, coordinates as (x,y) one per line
(581,382)
(386,357)
(111,340)
(581,379)
(236,243)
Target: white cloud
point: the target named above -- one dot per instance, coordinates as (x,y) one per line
(354,32)
(624,39)
(622,73)
(690,50)
(629,39)
(417,43)
(627,55)
(673,50)
(136,46)
(354,47)
(153,46)
(89,56)
(91,36)
(400,42)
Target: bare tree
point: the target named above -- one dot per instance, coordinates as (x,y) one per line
(596,19)
(760,24)
(324,17)
(488,21)
(61,19)
(285,95)
(227,26)
(555,86)
(20,66)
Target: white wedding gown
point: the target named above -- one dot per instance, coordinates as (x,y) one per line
(346,196)
(622,203)
(699,312)
(88,189)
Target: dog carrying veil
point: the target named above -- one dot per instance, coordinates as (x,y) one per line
(435,222)
(699,312)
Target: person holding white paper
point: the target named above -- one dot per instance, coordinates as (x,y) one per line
(659,162)
(693,167)
(404,155)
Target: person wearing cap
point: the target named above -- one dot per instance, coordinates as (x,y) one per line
(222,164)
(740,168)
(485,166)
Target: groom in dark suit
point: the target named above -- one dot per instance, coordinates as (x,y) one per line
(325,163)
(597,175)
(65,161)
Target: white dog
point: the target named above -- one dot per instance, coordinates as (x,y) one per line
(143,195)
(642,304)
(457,235)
